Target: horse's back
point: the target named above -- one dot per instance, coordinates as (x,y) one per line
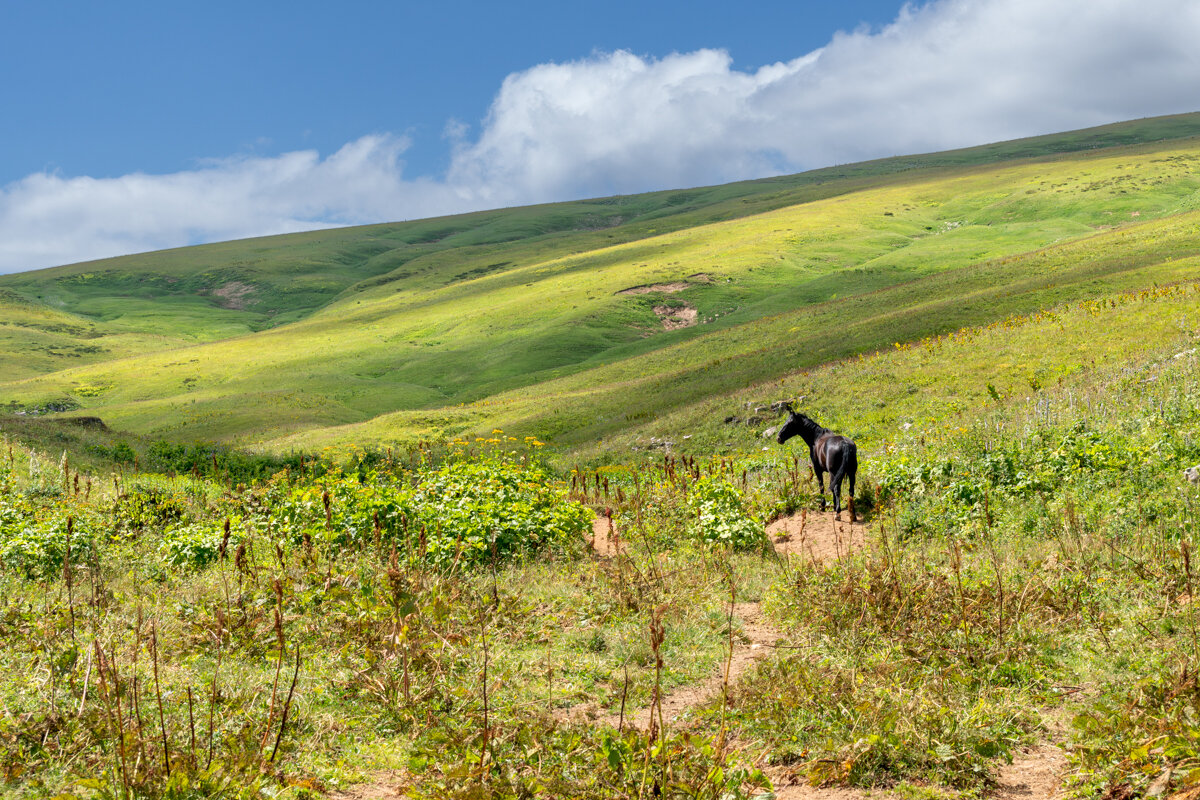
(839,453)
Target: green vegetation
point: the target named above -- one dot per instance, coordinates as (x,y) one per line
(395,586)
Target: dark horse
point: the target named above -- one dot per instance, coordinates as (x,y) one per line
(831,452)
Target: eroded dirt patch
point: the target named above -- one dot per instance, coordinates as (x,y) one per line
(1034,775)
(662,288)
(818,536)
(605,541)
(233,295)
(381,786)
(674,318)
(669,288)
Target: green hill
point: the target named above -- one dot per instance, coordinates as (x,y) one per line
(1013,342)
(581,321)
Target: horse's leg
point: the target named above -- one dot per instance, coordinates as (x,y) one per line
(852,473)
(835,486)
(820,483)
(850,494)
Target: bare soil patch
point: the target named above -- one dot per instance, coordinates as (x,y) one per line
(668,288)
(1034,775)
(605,540)
(233,295)
(381,786)
(805,791)
(676,317)
(818,536)
(663,288)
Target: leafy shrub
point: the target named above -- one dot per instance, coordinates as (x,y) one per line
(149,506)
(721,516)
(1139,732)
(458,512)
(33,540)
(196,546)
(122,453)
(954,492)
(474,505)
(213,460)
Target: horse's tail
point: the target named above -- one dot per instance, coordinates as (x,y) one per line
(851,473)
(847,467)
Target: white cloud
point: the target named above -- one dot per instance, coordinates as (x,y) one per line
(48,219)
(947,74)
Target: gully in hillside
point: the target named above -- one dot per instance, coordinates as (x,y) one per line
(831,452)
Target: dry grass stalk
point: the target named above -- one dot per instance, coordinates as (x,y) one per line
(162,721)
(287,706)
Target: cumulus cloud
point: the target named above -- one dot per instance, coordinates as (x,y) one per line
(48,219)
(946,74)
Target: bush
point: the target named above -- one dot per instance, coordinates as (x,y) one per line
(149,506)
(458,512)
(471,506)
(33,540)
(196,546)
(218,461)
(721,516)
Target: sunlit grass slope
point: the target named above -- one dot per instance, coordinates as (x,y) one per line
(273,280)
(516,318)
(36,339)
(689,389)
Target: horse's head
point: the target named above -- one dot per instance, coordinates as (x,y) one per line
(797,424)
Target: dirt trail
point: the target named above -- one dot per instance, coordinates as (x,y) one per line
(380,786)
(819,537)
(753,640)
(1035,774)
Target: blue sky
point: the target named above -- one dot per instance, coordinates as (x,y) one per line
(105,89)
(132,126)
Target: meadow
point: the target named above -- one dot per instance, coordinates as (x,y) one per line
(467,521)
(447,327)
(432,619)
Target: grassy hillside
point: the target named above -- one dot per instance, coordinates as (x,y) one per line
(520,319)
(1026,581)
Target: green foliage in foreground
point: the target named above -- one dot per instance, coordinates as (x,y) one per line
(36,536)
(721,517)
(463,511)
